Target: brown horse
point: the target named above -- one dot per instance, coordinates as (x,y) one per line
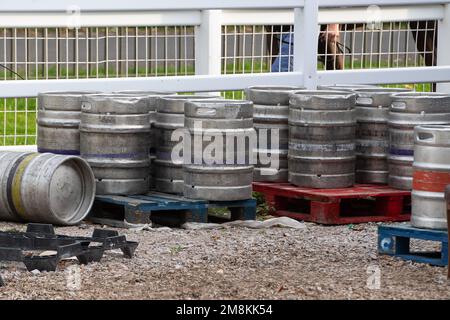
(425,35)
(426,40)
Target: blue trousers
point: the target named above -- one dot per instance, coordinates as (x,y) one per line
(284,62)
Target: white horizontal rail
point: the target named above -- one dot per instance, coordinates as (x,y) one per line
(356,3)
(130,5)
(257,17)
(199,83)
(138,5)
(335,15)
(386,75)
(229,17)
(100,19)
(385,14)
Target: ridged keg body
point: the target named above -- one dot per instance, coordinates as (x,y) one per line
(221,143)
(322,139)
(167,171)
(407,111)
(115,140)
(431,175)
(152,97)
(270,120)
(372,134)
(58,121)
(45,188)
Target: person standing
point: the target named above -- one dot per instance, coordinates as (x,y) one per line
(282,48)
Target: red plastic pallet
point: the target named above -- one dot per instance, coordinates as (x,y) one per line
(359,204)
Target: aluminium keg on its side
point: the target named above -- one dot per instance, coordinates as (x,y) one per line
(168,172)
(431,175)
(219,163)
(322,139)
(407,111)
(45,188)
(270,120)
(372,134)
(115,140)
(58,121)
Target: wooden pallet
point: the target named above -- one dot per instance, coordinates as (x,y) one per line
(359,204)
(164,209)
(395,240)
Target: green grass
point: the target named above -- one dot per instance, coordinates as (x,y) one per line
(18,116)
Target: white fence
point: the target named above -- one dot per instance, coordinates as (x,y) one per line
(200,45)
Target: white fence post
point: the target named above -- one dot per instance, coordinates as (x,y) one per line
(208,43)
(443,46)
(306,26)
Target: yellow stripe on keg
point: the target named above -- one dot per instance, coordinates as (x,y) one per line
(17,183)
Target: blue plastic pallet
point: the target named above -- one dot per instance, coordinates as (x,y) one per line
(394,240)
(163,209)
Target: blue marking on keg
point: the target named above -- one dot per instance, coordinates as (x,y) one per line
(164,156)
(401,152)
(135,155)
(62,152)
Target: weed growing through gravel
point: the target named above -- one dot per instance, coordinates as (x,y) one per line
(263,209)
(176,249)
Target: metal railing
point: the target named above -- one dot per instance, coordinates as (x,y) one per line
(201,45)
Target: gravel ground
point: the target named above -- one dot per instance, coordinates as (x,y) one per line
(235,263)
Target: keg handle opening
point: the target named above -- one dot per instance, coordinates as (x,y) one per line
(425,136)
(401,105)
(206,111)
(364,101)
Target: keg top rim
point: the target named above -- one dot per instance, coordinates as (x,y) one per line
(274,88)
(421,95)
(145,93)
(188,97)
(345,87)
(68,93)
(434,127)
(381,90)
(221,101)
(107,95)
(322,93)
